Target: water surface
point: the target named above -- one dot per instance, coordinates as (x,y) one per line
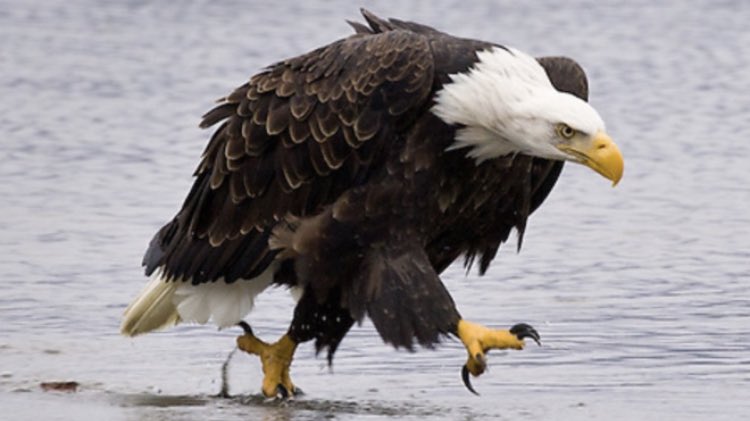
(641,293)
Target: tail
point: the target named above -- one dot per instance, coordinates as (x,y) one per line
(153,309)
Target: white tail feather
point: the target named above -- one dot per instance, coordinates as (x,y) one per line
(165,303)
(153,309)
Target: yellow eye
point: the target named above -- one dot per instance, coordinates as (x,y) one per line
(565,131)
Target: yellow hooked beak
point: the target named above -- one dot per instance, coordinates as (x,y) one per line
(598,153)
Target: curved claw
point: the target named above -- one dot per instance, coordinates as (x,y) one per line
(523,330)
(246,327)
(467,380)
(281,392)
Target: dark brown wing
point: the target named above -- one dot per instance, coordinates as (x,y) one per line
(292,139)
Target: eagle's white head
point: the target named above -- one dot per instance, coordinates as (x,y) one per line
(506,104)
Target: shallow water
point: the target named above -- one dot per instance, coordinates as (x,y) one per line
(641,293)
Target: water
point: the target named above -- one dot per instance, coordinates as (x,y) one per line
(641,293)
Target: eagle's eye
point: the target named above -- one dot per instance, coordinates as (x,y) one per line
(565,131)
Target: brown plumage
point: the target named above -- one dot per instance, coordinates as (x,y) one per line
(332,164)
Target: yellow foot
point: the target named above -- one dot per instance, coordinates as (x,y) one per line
(479,340)
(276,359)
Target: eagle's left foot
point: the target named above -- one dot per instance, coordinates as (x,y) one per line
(479,340)
(276,359)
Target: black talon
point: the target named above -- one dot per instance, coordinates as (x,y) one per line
(246,327)
(522,330)
(281,392)
(467,380)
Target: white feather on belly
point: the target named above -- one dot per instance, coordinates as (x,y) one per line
(166,303)
(221,303)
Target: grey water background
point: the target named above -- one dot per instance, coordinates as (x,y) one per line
(641,293)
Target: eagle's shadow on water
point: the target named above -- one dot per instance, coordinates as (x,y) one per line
(285,409)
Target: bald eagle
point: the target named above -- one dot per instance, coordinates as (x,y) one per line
(355,174)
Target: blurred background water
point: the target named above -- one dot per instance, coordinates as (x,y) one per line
(641,293)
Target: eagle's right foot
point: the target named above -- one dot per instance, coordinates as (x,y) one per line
(276,359)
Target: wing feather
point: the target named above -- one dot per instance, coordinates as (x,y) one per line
(292,140)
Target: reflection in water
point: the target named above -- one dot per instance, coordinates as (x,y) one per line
(162,401)
(271,409)
(641,293)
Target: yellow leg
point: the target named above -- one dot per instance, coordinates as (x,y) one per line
(479,340)
(276,359)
